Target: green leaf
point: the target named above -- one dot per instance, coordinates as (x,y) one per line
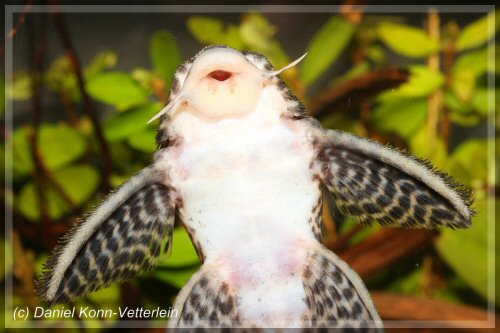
(423,82)
(122,125)
(326,46)
(176,278)
(20,89)
(256,31)
(480,100)
(79,182)
(494,58)
(145,77)
(411,284)
(350,223)
(109,295)
(182,263)
(467,68)
(58,145)
(471,157)
(61,78)
(183,252)
(165,55)
(22,162)
(258,34)
(118,180)
(376,54)
(420,146)
(40,263)
(477,33)
(117,89)
(465,120)
(402,116)
(406,40)
(102,61)
(476,61)
(468,253)
(144,141)
(208,30)
(457,106)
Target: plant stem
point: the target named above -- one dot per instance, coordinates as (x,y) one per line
(70,108)
(37,54)
(338,98)
(448,60)
(399,307)
(436,98)
(22,19)
(88,108)
(384,248)
(42,176)
(347,10)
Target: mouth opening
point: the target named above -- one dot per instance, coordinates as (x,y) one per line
(220,75)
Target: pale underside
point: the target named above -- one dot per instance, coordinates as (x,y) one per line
(247,197)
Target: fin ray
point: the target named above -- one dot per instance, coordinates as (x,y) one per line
(375,183)
(122,238)
(335,295)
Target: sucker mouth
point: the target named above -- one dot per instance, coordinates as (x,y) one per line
(220,75)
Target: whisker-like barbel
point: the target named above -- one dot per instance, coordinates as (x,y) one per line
(290,65)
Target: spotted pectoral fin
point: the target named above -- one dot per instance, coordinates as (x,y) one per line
(372,182)
(120,239)
(206,301)
(335,295)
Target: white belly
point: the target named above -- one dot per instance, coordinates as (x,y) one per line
(247,193)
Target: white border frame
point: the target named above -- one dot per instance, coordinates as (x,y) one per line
(401,9)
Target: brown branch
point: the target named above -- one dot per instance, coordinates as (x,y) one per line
(42,175)
(70,108)
(384,248)
(398,307)
(57,187)
(347,11)
(350,93)
(30,232)
(37,54)
(342,242)
(22,19)
(88,108)
(159,89)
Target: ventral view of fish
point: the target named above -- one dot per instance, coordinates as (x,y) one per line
(244,165)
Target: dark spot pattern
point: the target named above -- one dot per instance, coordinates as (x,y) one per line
(370,190)
(163,137)
(295,109)
(124,245)
(210,303)
(316,220)
(331,297)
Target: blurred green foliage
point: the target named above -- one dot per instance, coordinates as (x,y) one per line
(326,47)
(70,151)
